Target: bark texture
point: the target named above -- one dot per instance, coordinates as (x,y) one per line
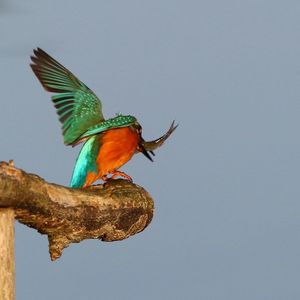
(7,254)
(109,212)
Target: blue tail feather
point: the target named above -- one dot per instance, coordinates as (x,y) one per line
(86,162)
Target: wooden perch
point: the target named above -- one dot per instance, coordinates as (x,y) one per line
(109,212)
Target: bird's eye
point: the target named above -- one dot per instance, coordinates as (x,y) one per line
(138,127)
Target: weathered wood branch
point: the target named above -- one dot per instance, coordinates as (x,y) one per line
(109,212)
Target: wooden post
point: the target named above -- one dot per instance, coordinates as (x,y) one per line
(7,254)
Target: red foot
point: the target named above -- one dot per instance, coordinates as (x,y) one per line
(104,178)
(116,174)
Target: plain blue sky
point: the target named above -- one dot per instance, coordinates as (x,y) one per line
(226,185)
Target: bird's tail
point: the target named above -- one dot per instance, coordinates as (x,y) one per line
(86,162)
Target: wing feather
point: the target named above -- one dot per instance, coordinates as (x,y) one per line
(77,106)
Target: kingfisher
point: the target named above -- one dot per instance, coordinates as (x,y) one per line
(108,143)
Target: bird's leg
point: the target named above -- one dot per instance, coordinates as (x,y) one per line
(115,174)
(104,178)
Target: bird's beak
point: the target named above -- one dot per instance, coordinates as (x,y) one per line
(144,151)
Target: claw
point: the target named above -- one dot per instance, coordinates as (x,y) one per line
(116,174)
(104,178)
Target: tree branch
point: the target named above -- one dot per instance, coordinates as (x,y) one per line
(109,212)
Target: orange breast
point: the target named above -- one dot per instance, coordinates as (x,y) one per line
(118,146)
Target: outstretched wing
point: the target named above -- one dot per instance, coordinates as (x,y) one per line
(86,165)
(77,106)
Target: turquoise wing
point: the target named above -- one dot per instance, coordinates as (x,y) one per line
(77,106)
(86,162)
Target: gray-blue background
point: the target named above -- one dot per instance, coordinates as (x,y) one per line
(226,185)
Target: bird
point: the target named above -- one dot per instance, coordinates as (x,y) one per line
(108,143)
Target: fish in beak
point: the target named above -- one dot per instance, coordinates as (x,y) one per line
(150,146)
